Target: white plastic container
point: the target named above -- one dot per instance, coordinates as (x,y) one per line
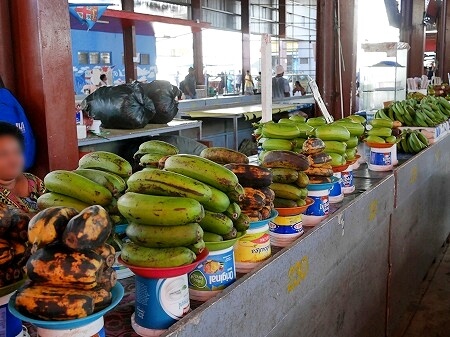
(94,329)
(144,332)
(380,159)
(252,249)
(285,229)
(348,185)
(394,155)
(161,302)
(213,275)
(336,194)
(319,210)
(10,326)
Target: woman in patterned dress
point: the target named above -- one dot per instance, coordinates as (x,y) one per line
(17,189)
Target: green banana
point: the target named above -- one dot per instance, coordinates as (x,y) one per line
(412,142)
(164,236)
(219,201)
(305,130)
(170,184)
(78,187)
(332,132)
(380,132)
(151,159)
(335,146)
(198,247)
(136,255)
(212,237)
(336,159)
(382,114)
(52,199)
(217,223)
(391,139)
(277,144)
(157,210)
(381,123)
(284,203)
(233,211)
(352,142)
(242,223)
(423,139)
(391,114)
(281,131)
(444,102)
(111,181)
(158,146)
(419,119)
(286,191)
(405,145)
(203,170)
(283,175)
(106,161)
(316,121)
(351,153)
(375,139)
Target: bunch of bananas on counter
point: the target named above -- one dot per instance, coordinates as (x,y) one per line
(428,112)
(14,248)
(286,135)
(173,211)
(257,202)
(98,180)
(412,142)
(380,131)
(288,178)
(70,274)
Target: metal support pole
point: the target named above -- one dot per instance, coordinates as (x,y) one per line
(197,41)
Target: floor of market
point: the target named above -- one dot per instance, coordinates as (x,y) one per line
(431,311)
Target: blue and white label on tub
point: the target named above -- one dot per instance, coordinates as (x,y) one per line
(161,302)
(347,179)
(289,229)
(216,273)
(320,207)
(336,189)
(380,159)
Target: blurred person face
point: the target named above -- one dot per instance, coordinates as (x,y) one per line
(12,160)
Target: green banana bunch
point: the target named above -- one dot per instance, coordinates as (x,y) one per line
(412,142)
(106,161)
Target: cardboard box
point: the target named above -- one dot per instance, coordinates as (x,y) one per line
(432,133)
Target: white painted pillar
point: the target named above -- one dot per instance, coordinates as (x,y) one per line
(266,77)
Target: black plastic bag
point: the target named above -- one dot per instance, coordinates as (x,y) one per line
(163,94)
(123,106)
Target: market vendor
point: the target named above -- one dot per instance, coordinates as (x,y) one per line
(17,189)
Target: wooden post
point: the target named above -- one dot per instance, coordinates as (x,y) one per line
(412,31)
(282,18)
(326,55)
(6,52)
(43,63)
(443,48)
(129,43)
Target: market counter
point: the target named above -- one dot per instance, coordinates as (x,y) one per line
(352,275)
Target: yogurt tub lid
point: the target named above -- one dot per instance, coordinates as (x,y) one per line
(322,187)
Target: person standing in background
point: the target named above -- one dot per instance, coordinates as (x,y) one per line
(177,78)
(258,83)
(298,89)
(238,82)
(248,84)
(280,85)
(189,85)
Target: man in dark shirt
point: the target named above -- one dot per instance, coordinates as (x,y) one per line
(188,86)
